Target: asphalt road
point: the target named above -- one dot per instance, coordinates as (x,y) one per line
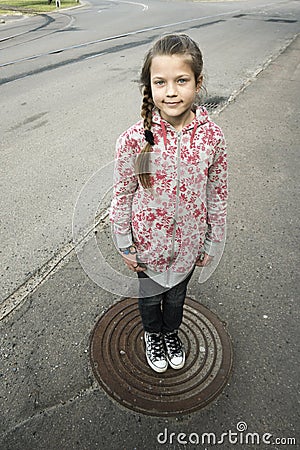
(69,88)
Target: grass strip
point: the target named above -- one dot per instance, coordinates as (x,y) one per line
(32,6)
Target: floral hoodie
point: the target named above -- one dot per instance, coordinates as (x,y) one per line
(184,212)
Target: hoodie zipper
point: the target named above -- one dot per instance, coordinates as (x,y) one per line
(178,159)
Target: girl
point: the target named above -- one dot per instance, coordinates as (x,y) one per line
(170,191)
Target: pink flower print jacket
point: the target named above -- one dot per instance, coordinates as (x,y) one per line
(184,211)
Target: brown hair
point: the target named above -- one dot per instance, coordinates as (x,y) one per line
(172,44)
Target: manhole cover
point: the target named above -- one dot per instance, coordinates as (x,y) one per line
(119,363)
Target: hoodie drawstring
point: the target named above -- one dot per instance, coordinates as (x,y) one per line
(193,133)
(164,132)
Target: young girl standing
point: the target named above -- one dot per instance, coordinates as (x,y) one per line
(170,192)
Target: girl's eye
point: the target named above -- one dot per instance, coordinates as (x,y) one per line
(159,82)
(182,81)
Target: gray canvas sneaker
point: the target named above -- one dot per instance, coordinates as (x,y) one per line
(175,350)
(155,352)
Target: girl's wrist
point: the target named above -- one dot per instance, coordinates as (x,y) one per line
(131,250)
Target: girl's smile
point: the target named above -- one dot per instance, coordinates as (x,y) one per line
(174,88)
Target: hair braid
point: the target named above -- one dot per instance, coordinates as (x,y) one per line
(172,44)
(143,158)
(146,114)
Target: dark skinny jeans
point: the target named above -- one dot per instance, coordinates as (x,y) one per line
(161,312)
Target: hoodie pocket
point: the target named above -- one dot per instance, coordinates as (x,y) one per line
(152,232)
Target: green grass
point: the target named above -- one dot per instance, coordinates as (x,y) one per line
(31,6)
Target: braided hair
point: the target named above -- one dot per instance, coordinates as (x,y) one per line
(171,44)
(143,158)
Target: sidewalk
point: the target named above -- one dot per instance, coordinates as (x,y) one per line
(49,398)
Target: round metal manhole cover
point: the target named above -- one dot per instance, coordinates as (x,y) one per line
(119,363)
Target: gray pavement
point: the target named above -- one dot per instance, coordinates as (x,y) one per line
(62,111)
(49,398)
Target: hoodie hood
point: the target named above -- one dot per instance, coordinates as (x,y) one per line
(201,117)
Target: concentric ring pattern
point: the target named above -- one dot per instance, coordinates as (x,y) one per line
(119,364)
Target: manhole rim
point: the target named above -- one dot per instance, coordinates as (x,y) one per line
(220,381)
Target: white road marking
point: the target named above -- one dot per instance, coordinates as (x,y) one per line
(95,56)
(145,7)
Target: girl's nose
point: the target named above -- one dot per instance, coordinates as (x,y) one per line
(171,90)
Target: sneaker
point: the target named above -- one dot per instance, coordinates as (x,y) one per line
(155,352)
(175,350)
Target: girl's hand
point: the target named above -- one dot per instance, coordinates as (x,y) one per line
(131,263)
(204,260)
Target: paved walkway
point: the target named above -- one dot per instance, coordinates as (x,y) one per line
(49,398)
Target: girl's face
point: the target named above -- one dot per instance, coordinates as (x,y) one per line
(174,88)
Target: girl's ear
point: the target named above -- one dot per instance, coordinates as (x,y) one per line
(199,83)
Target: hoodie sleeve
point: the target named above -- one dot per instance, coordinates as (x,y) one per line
(216,194)
(125,185)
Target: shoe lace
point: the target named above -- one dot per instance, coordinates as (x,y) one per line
(156,347)
(174,344)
